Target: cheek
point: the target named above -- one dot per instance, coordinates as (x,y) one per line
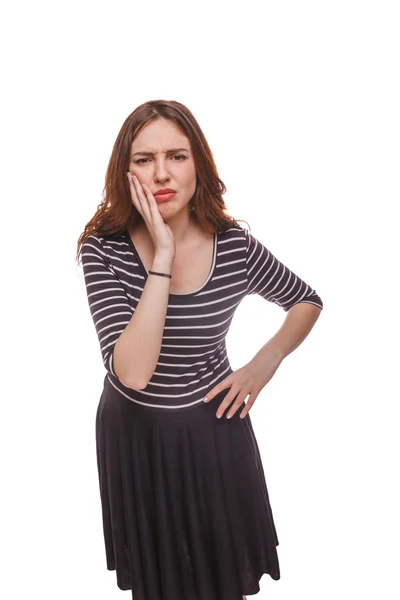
(135,169)
(189,179)
(139,174)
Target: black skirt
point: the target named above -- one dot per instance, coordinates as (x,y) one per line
(185,506)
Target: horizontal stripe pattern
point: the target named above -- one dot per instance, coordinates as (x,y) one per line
(273,281)
(193,356)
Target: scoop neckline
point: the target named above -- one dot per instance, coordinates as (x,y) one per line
(203,285)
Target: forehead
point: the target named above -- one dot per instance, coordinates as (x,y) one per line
(159,135)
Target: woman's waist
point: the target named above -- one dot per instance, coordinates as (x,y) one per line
(156,395)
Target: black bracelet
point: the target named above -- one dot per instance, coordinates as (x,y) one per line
(162,274)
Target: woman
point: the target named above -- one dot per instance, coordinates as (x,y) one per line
(186,511)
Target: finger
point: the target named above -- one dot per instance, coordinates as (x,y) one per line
(244,412)
(227,401)
(137,189)
(248,406)
(134,195)
(222,385)
(152,202)
(234,408)
(143,195)
(237,404)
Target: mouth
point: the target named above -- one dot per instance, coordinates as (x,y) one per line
(164,191)
(164,196)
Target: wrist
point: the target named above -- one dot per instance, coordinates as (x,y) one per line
(161,264)
(269,352)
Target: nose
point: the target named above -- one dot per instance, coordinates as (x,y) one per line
(161,172)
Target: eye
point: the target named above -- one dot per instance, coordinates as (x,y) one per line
(181,156)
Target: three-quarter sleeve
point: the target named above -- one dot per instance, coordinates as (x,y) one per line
(108,302)
(273,281)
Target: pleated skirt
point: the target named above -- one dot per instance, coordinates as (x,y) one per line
(185,506)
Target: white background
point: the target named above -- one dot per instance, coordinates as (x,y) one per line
(300,104)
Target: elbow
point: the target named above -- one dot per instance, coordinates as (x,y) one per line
(129,381)
(134,385)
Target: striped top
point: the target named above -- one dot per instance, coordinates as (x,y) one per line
(193,356)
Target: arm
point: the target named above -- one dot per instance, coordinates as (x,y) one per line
(274,281)
(139,345)
(299,321)
(130,342)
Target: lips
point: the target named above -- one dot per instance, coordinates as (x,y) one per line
(164,191)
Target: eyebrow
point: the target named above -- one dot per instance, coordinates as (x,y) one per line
(170,151)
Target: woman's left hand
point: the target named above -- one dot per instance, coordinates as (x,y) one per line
(246,381)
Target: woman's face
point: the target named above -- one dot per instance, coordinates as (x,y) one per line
(161,158)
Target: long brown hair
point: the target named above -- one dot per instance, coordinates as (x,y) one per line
(116,211)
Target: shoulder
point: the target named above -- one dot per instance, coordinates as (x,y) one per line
(234,232)
(238,236)
(105,245)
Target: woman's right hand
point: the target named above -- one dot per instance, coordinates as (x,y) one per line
(160,232)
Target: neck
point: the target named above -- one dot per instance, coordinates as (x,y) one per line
(182,228)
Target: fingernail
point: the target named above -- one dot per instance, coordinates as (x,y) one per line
(219,416)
